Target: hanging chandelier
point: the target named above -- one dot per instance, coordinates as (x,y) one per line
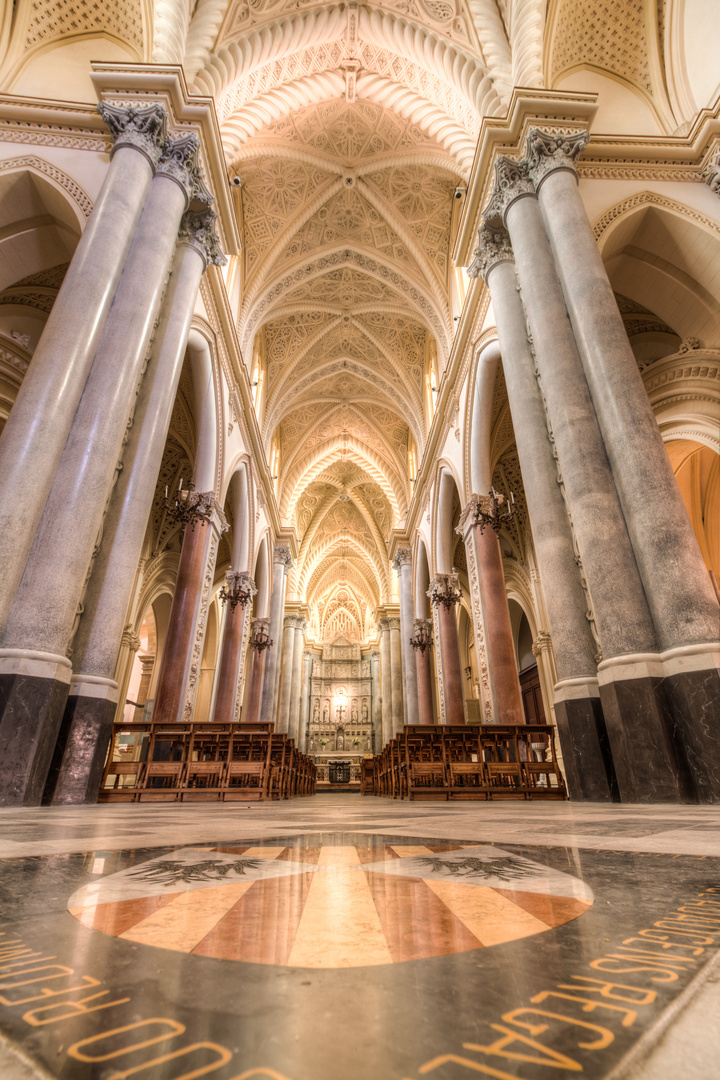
(260,635)
(188,506)
(421,637)
(239,588)
(445,589)
(488,510)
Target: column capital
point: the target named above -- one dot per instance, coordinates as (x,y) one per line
(711,175)
(512,182)
(179,162)
(542,643)
(393,622)
(403,557)
(197,230)
(468,516)
(282,554)
(445,589)
(493,247)
(383,625)
(375,655)
(548,152)
(130,640)
(143,129)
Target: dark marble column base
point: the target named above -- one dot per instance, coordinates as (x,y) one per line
(31,710)
(649,759)
(79,758)
(587,759)
(692,706)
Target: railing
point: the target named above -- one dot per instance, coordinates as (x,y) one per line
(203,763)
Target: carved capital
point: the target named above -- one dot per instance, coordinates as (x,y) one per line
(711,176)
(383,625)
(143,129)
(546,152)
(468,517)
(197,230)
(393,623)
(179,162)
(282,555)
(130,640)
(542,643)
(403,557)
(512,181)
(493,247)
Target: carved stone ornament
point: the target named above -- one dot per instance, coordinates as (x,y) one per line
(546,152)
(403,557)
(282,555)
(542,643)
(130,640)
(712,176)
(393,622)
(512,181)
(197,229)
(144,129)
(493,247)
(179,162)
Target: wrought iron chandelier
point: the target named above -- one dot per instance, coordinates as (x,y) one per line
(421,637)
(445,589)
(260,635)
(488,510)
(188,506)
(238,589)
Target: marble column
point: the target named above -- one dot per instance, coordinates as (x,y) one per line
(233,634)
(646,766)
(180,666)
(37,429)
(424,676)
(678,588)
(86,726)
(282,561)
(386,677)
(40,623)
(282,716)
(376,692)
(304,701)
(396,674)
(256,674)
(581,725)
(296,679)
(496,617)
(403,565)
(450,654)
(147,663)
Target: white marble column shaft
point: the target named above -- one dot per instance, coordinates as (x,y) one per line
(396,670)
(621,612)
(376,692)
(679,590)
(304,701)
(296,679)
(42,617)
(403,565)
(37,429)
(282,716)
(386,683)
(281,564)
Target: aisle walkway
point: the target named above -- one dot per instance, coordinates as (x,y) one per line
(351,938)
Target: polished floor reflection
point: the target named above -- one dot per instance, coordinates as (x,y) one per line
(323,942)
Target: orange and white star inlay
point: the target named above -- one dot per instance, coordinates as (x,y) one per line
(331,905)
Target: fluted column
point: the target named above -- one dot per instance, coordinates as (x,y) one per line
(424,675)
(296,679)
(304,701)
(679,591)
(586,753)
(37,429)
(386,683)
(396,674)
(227,680)
(403,565)
(282,561)
(376,692)
(88,716)
(450,652)
(282,718)
(40,623)
(621,613)
(180,667)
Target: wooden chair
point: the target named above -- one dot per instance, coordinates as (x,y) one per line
(246,781)
(116,770)
(505,780)
(203,781)
(467,780)
(170,775)
(427,780)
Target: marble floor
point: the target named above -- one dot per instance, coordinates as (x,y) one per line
(348,938)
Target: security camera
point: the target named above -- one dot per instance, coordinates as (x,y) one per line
(459,192)
(236,181)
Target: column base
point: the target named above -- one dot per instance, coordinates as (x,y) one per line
(85,731)
(587,758)
(33,691)
(648,751)
(692,702)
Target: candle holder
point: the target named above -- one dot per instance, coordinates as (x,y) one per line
(421,637)
(188,506)
(260,635)
(488,510)
(445,589)
(239,588)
